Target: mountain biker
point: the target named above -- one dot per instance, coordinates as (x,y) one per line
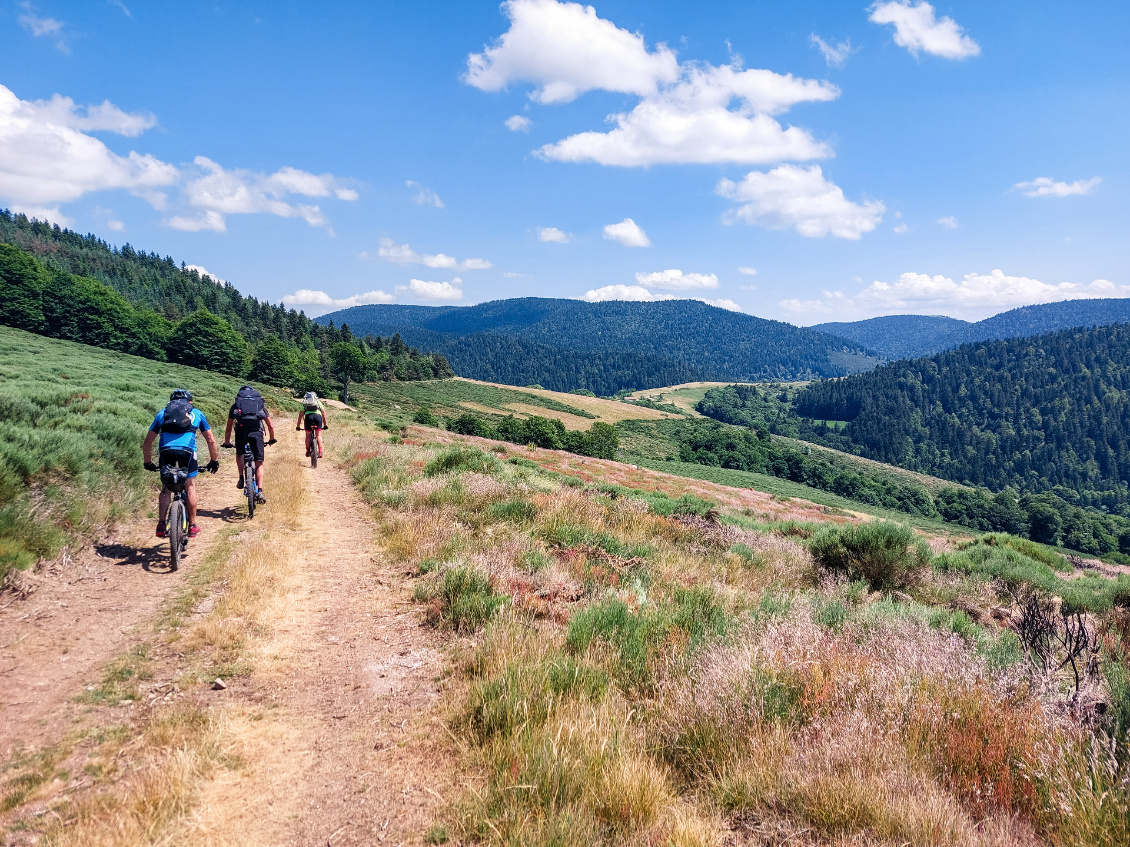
(177,424)
(247,415)
(313,414)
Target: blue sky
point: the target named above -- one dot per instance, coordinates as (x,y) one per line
(957,158)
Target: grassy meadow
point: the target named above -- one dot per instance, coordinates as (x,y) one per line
(72,419)
(633,669)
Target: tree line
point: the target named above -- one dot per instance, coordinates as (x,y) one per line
(266,343)
(599,441)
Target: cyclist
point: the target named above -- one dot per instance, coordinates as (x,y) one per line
(247,415)
(176,424)
(313,414)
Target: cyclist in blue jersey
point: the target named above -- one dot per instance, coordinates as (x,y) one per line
(177,424)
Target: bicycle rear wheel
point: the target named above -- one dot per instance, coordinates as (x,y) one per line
(175,530)
(314,452)
(249,486)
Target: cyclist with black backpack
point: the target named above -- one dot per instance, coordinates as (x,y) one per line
(247,415)
(177,425)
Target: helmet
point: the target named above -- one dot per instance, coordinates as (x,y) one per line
(180,394)
(310,397)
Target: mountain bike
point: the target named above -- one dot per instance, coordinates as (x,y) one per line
(174,477)
(250,487)
(312,443)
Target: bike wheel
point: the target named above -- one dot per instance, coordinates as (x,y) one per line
(313,452)
(249,487)
(175,530)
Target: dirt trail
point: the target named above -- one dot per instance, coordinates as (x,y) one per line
(84,611)
(351,748)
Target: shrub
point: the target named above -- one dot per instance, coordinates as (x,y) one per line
(886,555)
(459,459)
(425,417)
(519,511)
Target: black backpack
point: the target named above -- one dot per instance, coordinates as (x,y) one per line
(249,409)
(178,417)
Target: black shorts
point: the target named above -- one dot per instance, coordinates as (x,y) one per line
(183,458)
(313,420)
(254,438)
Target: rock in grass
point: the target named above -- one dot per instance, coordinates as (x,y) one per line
(219,685)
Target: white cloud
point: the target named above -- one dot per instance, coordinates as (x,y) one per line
(115,225)
(949,223)
(46,159)
(514,275)
(122,6)
(901,228)
(746,270)
(723,303)
(36,25)
(553,235)
(424,196)
(433,290)
(635,293)
(628,233)
(210,221)
(402,254)
(834,54)
(203,271)
(566,50)
(322,302)
(1045,186)
(689,112)
(801,198)
(518,123)
(675,280)
(976,296)
(692,122)
(917,29)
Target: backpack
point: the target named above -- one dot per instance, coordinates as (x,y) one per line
(178,417)
(249,409)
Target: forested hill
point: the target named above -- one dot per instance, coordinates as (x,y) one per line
(1047,413)
(908,336)
(608,347)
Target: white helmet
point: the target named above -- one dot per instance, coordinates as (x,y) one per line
(310,397)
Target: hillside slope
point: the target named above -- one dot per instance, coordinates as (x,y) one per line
(910,336)
(636,344)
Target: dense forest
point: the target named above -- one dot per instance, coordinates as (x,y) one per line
(599,441)
(613,346)
(79,288)
(910,336)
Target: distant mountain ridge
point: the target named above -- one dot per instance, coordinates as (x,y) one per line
(608,347)
(910,336)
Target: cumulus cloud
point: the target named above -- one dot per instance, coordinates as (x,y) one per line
(565,50)
(747,270)
(433,290)
(949,222)
(1045,186)
(901,228)
(800,198)
(46,158)
(115,225)
(834,54)
(518,123)
(723,303)
(553,235)
(675,280)
(919,30)
(628,233)
(976,296)
(318,302)
(218,191)
(635,293)
(402,254)
(689,112)
(424,196)
(203,271)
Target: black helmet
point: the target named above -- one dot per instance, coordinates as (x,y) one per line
(180,394)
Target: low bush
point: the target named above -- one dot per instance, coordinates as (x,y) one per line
(460,459)
(464,600)
(518,511)
(425,417)
(886,555)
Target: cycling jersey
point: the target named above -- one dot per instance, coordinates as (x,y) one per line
(180,440)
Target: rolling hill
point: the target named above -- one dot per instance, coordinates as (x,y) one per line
(608,347)
(911,336)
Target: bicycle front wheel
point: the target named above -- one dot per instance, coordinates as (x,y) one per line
(175,529)
(249,486)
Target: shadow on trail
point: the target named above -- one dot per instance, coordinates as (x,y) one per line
(151,559)
(228,514)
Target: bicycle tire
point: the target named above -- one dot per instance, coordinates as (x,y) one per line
(249,487)
(314,454)
(175,530)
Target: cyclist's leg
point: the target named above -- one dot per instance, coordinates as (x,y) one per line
(318,432)
(190,495)
(163,504)
(240,440)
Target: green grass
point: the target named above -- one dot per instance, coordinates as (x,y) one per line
(401,400)
(463,599)
(72,418)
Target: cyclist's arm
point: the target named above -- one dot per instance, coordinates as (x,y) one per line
(147,446)
(298,423)
(325,417)
(227,431)
(270,426)
(213,450)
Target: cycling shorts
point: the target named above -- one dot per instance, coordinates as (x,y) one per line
(254,438)
(184,458)
(313,420)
